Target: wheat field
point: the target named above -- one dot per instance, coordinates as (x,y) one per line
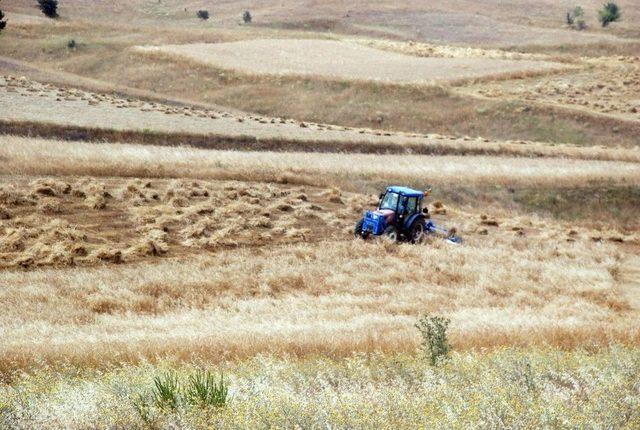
(50,157)
(178,199)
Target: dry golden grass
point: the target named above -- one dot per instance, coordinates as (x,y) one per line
(114,254)
(330,298)
(517,280)
(47,157)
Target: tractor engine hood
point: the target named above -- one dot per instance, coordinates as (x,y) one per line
(386,213)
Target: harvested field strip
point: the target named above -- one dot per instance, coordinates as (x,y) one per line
(48,157)
(31,108)
(252,143)
(346,60)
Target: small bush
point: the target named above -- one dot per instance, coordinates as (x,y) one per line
(610,12)
(435,344)
(71,44)
(168,394)
(166,391)
(204,391)
(49,7)
(570,19)
(203,14)
(246,17)
(575,18)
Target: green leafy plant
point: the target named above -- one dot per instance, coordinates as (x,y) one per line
(49,7)
(204,391)
(166,391)
(435,344)
(609,13)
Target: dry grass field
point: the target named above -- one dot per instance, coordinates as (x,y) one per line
(346,61)
(610,87)
(178,196)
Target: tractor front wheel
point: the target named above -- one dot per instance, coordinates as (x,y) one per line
(391,233)
(357,231)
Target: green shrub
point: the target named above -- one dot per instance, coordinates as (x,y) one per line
(49,7)
(203,14)
(204,391)
(166,391)
(610,12)
(246,17)
(435,344)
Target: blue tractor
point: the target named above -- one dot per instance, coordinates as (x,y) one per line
(400,217)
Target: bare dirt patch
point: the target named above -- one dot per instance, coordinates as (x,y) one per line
(344,60)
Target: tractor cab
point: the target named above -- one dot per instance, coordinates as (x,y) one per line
(398,203)
(399,215)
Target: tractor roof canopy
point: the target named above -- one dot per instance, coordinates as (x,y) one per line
(406,191)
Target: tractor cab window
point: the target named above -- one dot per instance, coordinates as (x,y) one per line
(412,205)
(389,201)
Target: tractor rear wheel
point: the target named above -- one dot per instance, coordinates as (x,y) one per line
(417,231)
(391,233)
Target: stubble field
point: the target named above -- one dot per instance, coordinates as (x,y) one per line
(346,61)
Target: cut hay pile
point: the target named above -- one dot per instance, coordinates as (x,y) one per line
(90,222)
(54,243)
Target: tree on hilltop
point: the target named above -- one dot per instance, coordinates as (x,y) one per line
(49,7)
(3,22)
(610,12)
